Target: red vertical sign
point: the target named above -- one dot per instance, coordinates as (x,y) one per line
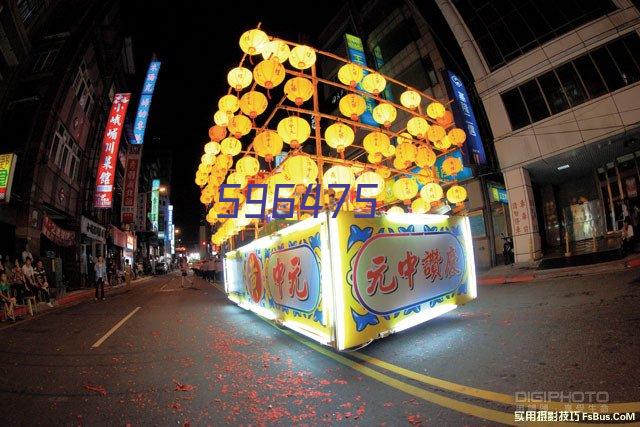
(109,154)
(131,170)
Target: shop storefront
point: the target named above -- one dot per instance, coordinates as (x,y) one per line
(92,245)
(54,250)
(117,246)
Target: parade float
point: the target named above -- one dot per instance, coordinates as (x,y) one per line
(323,195)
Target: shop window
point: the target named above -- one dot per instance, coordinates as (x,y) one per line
(572,85)
(590,76)
(516,109)
(534,101)
(83,89)
(553,92)
(64,152)
(628,69)
(607,68)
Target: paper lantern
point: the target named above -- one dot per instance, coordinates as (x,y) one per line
(203,167)
(217,133)
(224,161)
(294,131)
(384,172)
(298,90)
(451,166)
(237,178)
(301,169)
(350,74)
(205,198)
(253,103)
(442,144)
(212,216)
(456,194)
(279,178)
(418,127)
(267,144)
(276,49)
(431,192)
(239,125)
(385,114)
(212,148)
(229,104)
(374,83)
(425,176)
(400,164)
(374,158)
(221,118)
(457,136)
(435,110)
(248,166)
(410,99)
(252,41)
(436,133)
(208,159)
(269,73)
(339,136)
(446,119)
(302,57)
(338,174)
(395,210)
(239,78)
(407,152)
(352,106)
(419,206)
(404,137)
(405,189)
(389,151)
(376,142)
(370,178)
(230,146)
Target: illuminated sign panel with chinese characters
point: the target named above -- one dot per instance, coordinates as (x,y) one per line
(155,204)
(355,51)
(7,168)
(144,105)
(347,280)
(130,192)
(109,155)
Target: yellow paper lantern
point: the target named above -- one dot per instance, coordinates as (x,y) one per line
(212,217)
(276,49)
(376,142)
(352,106)
(338,174)
(407,152)
(239,78)
(248,166)
(435,110)
(298,90)
(237,178)
(253,41)
(456,194)
(374,83)
(208,159)
(395,210)
(301,169)
(267,144)
(224,161)
(221,118)
(442,144)
(436,133)
(419,206)
(389,151)
(279,178)
(339,136)
(404,137)
(446,120)
(212,147)
(269,73)
(205,198)
(229,104)
(350,74)
(451,166)
(253,103)
(294,130)
(418,127)
(401,164)
(374,158)
(203,167)
(217,133)
(239,125)
(385,114)
(230,146)
(431,192)
(457,136)
(302,57)
(405,189)
(383,172)
(425,176)
(410,99)
(370,178)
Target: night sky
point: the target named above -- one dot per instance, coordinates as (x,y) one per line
(197,42)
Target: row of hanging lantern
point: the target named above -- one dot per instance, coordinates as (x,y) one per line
(413,155)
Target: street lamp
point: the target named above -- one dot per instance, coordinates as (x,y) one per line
(177,231)
(163,189)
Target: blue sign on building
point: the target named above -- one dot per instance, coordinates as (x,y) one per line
(464,174)
(355,51)
(466,119)
(144,105)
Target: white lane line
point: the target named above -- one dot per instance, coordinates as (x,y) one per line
(115,328)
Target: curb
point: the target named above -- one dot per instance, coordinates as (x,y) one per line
(505,280)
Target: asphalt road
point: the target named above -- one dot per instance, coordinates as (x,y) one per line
(190,356)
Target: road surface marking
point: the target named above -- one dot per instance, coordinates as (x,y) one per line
(115,328)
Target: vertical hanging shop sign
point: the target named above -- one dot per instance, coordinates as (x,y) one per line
(355,51)
(129,197)
(7,168)
(109,155)
(155,199)
(170,230)
(142,114)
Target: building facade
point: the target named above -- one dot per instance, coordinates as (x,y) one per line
(560,84)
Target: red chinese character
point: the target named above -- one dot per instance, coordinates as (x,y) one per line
(278,276)
(431,264)
(451,267)
(407,268)
(375,277)
(302,293)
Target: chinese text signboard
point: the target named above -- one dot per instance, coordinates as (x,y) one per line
(56,234)
(355,52)
(155,204)
(130,192)
(7,168)
(144,105)
(109,155)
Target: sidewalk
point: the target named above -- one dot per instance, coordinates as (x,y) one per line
(506,274)
(71,298)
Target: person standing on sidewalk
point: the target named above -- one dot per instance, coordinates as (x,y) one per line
(184,268)
(128,272)
(42,283)
(101,277)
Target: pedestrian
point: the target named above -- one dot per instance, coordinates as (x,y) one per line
(128,272)
(101,277)
(628,239)
(219,270)
(6,298)
(184,268)
(29,278)
(42,283)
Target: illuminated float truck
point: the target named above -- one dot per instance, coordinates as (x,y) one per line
(315,238)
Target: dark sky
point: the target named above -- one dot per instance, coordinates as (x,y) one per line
(197,42)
